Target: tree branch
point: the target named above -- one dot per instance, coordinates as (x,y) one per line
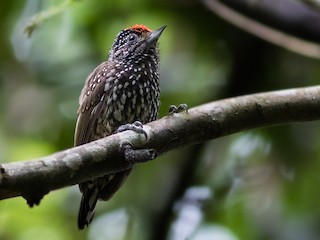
(35,178)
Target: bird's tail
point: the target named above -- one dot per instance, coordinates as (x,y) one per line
(102,188)
(88,202)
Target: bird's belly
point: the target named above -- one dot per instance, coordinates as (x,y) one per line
(131,106)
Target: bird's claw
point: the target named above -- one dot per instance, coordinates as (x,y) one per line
(137,155)
(136,127)
(181,107)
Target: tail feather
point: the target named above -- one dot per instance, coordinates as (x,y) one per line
(88,202)
(101,188)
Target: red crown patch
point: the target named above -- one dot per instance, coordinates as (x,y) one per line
(140,28)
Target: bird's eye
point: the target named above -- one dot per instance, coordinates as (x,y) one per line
(132,37)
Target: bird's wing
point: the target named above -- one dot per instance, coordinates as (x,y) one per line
(91,102)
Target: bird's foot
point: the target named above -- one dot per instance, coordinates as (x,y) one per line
(181,107)
(136,127)
(137,155)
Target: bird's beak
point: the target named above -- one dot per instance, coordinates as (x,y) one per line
(154,36)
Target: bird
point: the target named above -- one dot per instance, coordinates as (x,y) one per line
(122,90)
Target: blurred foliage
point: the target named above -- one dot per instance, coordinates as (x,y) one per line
(263,182)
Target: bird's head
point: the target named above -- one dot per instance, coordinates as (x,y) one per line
(135,41)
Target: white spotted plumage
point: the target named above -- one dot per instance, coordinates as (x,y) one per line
(124,89)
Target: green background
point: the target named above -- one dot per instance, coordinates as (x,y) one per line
(264,183)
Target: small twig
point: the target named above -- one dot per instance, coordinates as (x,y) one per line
(34,21)
(294,44)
